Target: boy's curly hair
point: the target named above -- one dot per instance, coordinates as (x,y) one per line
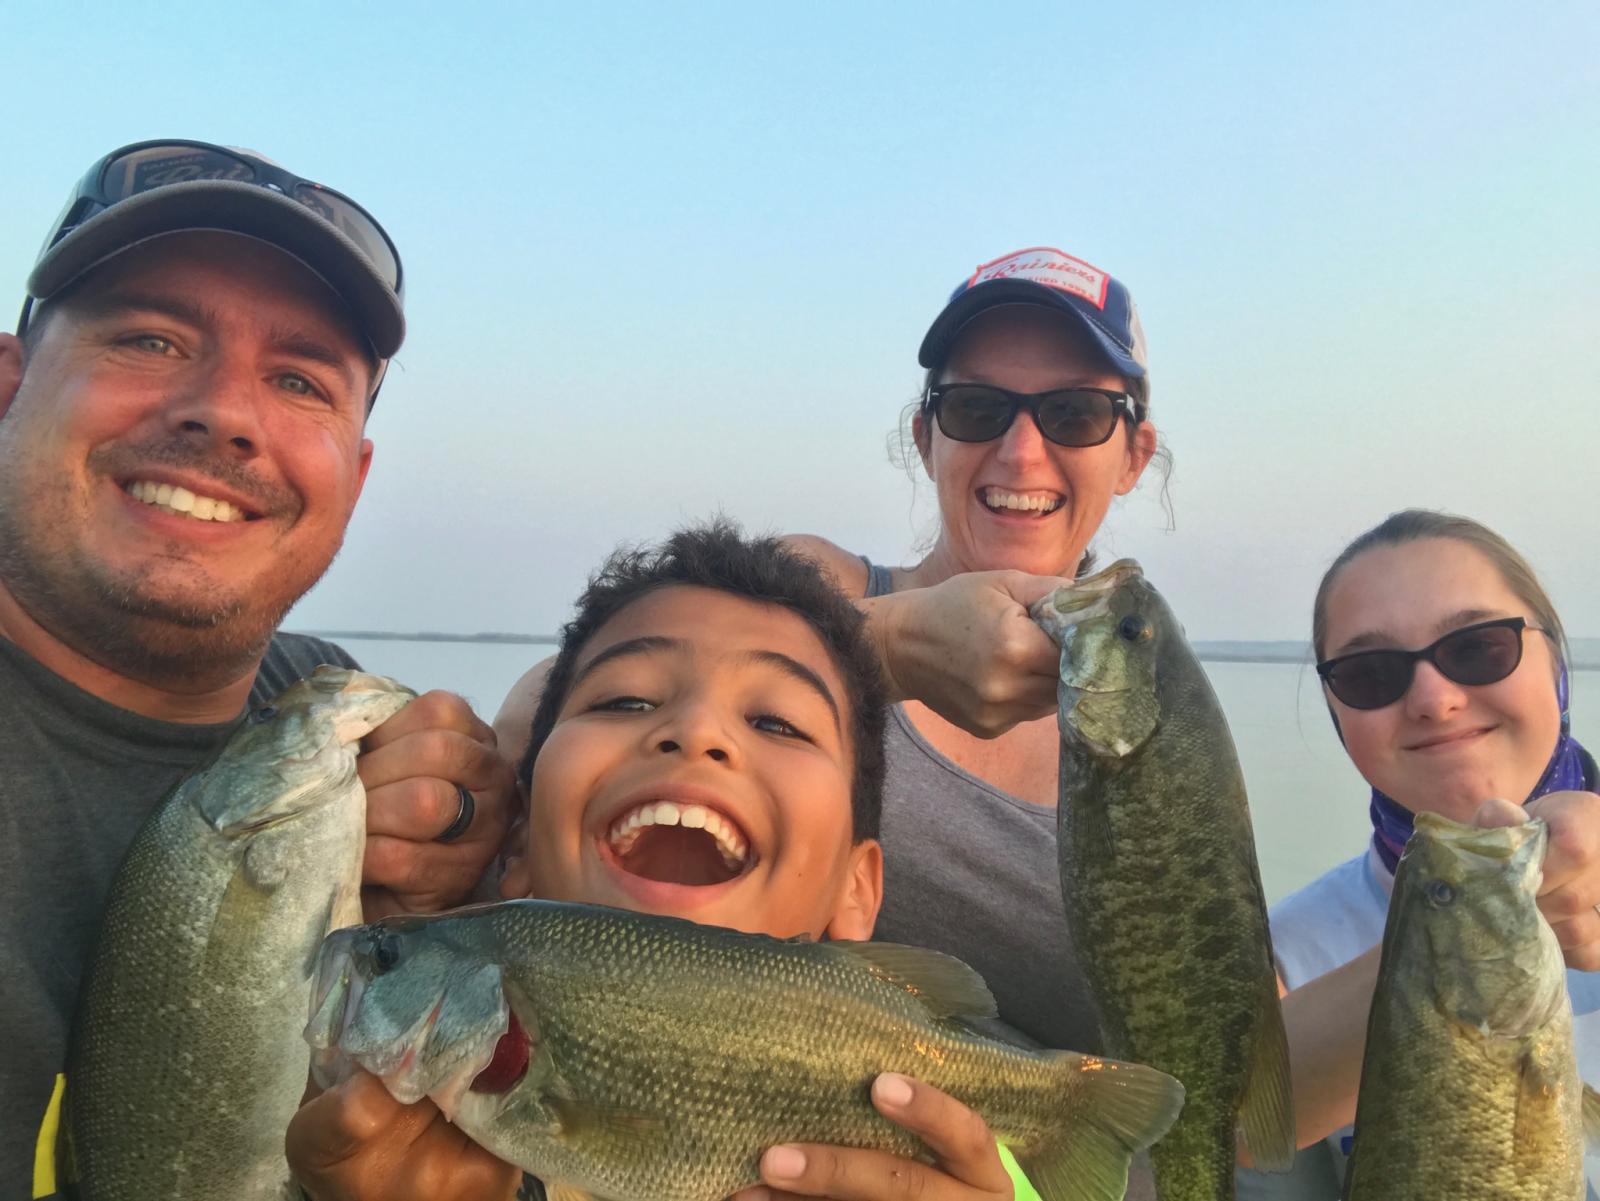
(764,570)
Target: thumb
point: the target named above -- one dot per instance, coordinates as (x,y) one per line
(1495,813)
(1027,589)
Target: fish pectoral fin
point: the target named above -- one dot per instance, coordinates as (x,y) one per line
(577,1119)
(1266,1112)
(1591,1119)
(1540,1089)
(945,986)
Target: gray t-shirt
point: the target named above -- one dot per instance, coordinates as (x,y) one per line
(77,778)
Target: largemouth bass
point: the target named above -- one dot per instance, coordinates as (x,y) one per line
(186,1060)
(654,1059)
(1469,1086)
(1158,870)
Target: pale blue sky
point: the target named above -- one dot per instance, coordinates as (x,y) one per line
(664,262)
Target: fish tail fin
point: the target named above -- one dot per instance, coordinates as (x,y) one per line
(1266,1112)
(1119,1108)
(1591,1119)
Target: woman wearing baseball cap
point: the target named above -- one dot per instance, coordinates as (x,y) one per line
(1033,418)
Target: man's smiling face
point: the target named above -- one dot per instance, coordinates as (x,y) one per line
(700,766)
(181,454)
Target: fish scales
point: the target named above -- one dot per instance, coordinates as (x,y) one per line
(1469,1085)
(184,1065)
(1159,876)
(667,1056)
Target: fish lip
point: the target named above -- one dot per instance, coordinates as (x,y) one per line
(1085,598)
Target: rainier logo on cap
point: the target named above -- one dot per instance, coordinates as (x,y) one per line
(1050,267)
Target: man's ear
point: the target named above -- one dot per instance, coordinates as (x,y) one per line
(857,909)
(10,370)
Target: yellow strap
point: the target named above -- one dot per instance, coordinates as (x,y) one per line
(1022,1189)
(44,1151)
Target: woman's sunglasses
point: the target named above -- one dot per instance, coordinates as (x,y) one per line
(1067,416)
(1484,653)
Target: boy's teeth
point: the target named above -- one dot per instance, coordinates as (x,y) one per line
(731,844)
(999,498)
(173,499)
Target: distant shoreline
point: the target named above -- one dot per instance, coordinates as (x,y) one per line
(1585,651)
(430,636)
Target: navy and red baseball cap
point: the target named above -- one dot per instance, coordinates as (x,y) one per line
(1052,279)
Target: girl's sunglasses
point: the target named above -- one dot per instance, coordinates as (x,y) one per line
(1068,416)
(1484,653)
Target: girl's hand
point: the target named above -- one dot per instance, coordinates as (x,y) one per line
(1571,887)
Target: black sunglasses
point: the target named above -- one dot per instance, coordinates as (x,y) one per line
(1484,653)
(1066,416)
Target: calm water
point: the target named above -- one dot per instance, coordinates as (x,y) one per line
(1307,802)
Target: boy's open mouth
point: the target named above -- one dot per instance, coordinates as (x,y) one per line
(675,843)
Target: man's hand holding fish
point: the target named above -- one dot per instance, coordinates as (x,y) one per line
(415,767)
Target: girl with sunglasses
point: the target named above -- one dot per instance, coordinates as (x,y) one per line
(1443,665)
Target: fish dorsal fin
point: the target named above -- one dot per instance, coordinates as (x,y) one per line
(945,986)
(1266,1114)
(1591,1119)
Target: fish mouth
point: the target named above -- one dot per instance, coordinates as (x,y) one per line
(1084,599)
(677,837)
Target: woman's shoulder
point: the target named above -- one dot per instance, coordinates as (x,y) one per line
(848,570)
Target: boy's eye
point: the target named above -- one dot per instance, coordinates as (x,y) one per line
(623,704)
(771,723)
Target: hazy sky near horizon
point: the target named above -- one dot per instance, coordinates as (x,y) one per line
(667,261)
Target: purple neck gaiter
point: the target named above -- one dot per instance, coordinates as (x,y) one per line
(1391,821)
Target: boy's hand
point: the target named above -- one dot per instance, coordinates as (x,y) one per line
(357,1143)
(413,767)
(968,1169)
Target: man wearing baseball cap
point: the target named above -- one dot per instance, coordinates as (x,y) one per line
(182,441)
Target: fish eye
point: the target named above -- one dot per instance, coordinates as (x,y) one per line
(386,951)
(1440,893)
(1133,628)
(265,713)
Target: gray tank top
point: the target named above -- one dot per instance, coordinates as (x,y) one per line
(972,871)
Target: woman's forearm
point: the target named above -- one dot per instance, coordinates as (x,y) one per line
(1326,1021)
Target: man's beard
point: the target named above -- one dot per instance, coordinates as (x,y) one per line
(190,645)
(200,639)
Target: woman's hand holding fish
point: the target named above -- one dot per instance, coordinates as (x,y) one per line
(1571,886)
(413,767)
(968,1168)
(357,1143)
(968,650)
